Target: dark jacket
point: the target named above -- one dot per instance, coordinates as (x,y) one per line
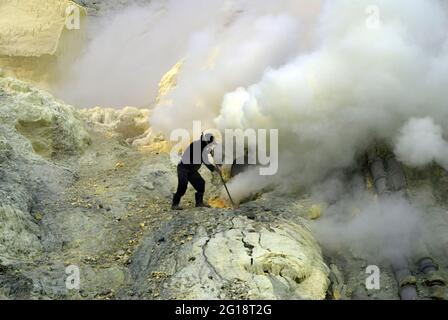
(196,155)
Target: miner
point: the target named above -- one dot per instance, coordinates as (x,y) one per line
(187,170)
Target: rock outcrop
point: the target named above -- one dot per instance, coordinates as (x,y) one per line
(250,253)
(34,127)
(32,117)
(36,36)
(74,193)
(128,123)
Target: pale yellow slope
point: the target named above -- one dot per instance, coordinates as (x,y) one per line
(32,28)
(34,38)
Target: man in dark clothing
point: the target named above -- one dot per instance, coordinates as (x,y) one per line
(187,170)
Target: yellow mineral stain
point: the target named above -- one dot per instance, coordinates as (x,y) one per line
(169,80)
(315,212)
(33,33)
(219,203)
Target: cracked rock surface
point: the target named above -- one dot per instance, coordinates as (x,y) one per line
(226,255)
(71,195)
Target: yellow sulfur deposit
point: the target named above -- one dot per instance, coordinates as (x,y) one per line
(169,80)
(219,203)
(156,147)
(315,212)
(226,173)
(33,32)
(369,183)
(33,27)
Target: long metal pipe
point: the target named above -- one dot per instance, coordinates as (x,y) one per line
(379,170)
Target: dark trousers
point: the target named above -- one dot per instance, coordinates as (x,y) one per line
(185,175)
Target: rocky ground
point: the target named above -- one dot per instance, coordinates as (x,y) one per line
(73,195)
(90,190)
(77,190)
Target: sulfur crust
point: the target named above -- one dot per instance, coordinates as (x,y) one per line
(32,28)
(33,38)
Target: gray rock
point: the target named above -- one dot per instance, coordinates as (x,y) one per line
(230,256)
(156,180)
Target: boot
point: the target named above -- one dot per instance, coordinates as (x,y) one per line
(200,201)
(176,201)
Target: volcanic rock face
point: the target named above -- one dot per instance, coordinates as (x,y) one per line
(33,126)
(32,28)
(91,190)
(126,123)
(49,126)
(229,256)
(35,34)
(69,197)
(156,181)
(19,233)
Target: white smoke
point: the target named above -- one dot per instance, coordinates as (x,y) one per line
(374,228)
(225,44)
(361,85)
(421,142)
(319,71)
(333,76)
(242,186)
